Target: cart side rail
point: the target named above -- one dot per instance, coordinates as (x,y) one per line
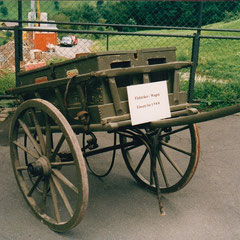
(103,73)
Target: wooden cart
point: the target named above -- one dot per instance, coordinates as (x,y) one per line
(76,99)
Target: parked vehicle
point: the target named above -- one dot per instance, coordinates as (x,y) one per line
(66,41)
(75,41)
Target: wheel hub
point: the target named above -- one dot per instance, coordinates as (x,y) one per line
(41,167)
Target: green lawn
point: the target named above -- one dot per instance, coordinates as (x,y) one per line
(218,58)
(2,37)
(7,81)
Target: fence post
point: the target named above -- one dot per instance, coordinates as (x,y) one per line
(194,59)
(195,55)
(107,42)
(20,49)
(17,57)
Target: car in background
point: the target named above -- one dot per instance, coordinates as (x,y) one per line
(75,41)
(66,41)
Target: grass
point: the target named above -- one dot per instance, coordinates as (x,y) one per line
(213,95)
(7,81)
(2,38)
(7,103)
(217,57)
(217,65)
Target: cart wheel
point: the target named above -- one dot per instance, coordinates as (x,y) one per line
(177,160)
(55,187)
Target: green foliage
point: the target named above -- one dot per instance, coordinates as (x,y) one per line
(1,3)
(130,21)
(179,13)
(231,16)
(8,103)
(82,13)
(2,37)
(7,81)
(9,34)
(56,5)
(214,94)
(55,60)
(4,11)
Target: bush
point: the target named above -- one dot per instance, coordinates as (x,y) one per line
(8,34)
(56,5)
(4,11)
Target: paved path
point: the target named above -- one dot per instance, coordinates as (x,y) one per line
(83,46)
(207,208)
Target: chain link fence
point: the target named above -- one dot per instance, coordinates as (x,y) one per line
(57,30)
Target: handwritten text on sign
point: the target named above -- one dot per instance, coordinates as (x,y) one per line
(148,102)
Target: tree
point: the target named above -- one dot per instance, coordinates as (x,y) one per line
(8,34)
(84,13)
(4,11)
(61,17)
(56,5)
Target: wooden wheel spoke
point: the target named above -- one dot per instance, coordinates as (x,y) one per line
(162,170)
(33,154)
(59,164)
(34,186)
(63,195)
(44,194)
(48,149)
(172,163)
(141,161)
(28,133)
(56,150)
(175,131)
(39,131)
(175,148)
(21,168)
(54,200)
(151,175)
(61,177)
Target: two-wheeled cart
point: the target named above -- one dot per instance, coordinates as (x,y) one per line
(63,102)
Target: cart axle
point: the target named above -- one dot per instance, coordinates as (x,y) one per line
(41,167)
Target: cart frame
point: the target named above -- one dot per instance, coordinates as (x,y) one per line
(54,110)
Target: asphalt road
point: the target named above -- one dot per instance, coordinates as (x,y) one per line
(207,208)
(82,46)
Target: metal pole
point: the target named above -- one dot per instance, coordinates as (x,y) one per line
(195,55)
(17,58)
(20,49)
(194,59)
(107,42)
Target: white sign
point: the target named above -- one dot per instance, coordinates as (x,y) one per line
(148,102)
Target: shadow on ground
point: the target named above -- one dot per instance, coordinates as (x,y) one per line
(4,128)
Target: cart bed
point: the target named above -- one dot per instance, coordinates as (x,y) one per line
(97,83)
